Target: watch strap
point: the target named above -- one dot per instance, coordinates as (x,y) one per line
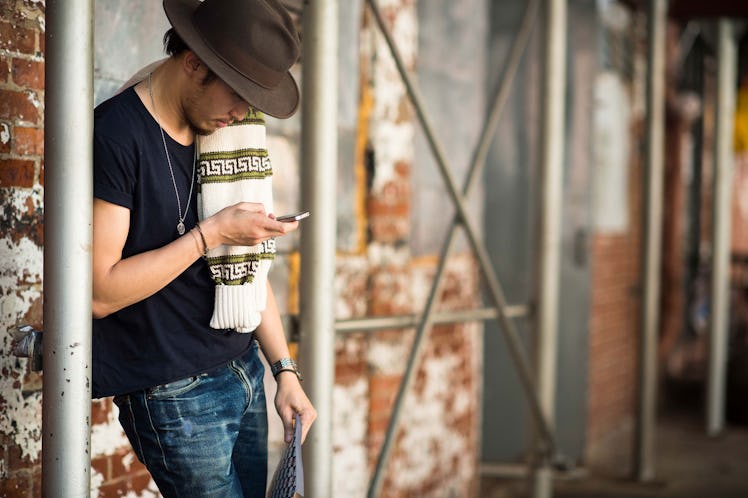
(286,365)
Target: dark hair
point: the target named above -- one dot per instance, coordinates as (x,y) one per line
(174,45)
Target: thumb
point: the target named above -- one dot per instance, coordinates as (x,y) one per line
(288,425)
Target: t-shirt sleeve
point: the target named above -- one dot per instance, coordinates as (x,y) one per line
(114,172)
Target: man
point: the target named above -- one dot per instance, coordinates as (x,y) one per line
(190,396)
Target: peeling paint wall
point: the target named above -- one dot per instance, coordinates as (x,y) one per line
(440,415)
(21,237)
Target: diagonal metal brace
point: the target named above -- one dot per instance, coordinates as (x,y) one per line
(548,447)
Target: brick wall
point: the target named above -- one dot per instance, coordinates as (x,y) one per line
(435,448)
(615,313)
(21,237)
(614,339)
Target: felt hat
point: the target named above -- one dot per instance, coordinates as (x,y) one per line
(249,44)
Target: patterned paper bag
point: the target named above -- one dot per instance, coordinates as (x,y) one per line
(288,479)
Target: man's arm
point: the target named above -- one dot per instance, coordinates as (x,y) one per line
(118,283)
(290,397)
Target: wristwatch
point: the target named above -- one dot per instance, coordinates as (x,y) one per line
(286,364)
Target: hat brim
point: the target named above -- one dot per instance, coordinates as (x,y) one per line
(281,101)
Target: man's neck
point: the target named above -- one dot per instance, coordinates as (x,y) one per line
(163,100)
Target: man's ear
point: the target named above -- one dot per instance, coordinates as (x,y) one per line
(192,64)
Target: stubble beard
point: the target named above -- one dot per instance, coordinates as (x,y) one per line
(189,112)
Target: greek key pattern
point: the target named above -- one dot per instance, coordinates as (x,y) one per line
(225,167)
(241,268)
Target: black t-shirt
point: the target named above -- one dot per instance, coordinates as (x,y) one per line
(166,336)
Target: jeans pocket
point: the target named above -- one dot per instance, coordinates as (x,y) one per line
(176,388)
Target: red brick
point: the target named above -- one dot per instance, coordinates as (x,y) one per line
(17,484)
(100,409)
(347,372)
(16,461)
(139,482)
(101,465)
(28,141)
(17,39)
(16,173)
(135,484)
(16,106)
(114,489)
(120,469)
(36,482)
(384,385)
(5,137)
(5,63)
(28,73)
(378,425)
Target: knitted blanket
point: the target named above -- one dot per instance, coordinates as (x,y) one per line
(233,166)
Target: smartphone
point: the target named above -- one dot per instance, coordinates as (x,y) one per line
(293,217)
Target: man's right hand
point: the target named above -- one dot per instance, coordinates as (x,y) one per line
(243,224)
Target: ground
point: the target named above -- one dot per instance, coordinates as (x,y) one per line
(689,464)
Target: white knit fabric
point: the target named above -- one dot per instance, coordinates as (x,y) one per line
(234,167)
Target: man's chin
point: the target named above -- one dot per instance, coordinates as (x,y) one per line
(198,130)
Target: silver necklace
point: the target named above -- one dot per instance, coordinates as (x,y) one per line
(180,225)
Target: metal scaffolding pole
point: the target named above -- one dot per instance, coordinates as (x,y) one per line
(441,317)
(654,173)
(721,202)
(551,200)
(319,166)
(68,159)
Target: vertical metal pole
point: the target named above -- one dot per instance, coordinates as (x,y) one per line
(319,167)
(654,172)
(723,167)
(68,158)
(549,263)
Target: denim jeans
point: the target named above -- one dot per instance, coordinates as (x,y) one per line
(203,436)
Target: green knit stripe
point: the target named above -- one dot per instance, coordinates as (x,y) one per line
(224,155)
(234,177)
(237,269)
(253,117)
(240,258)
(232,166)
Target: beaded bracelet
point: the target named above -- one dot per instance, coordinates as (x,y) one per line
(202,237)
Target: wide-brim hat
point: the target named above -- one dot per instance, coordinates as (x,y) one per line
(249,44)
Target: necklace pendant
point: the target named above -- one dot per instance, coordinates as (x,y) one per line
(180,228)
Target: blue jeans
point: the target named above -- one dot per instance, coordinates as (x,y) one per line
(203,436)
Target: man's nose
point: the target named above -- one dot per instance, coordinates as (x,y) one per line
(239,111)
